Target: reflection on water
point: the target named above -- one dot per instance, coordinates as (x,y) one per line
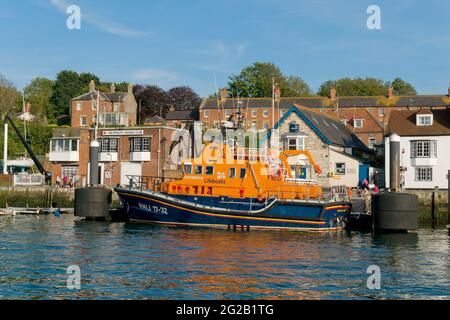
(134,261)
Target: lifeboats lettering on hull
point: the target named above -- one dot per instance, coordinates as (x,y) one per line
(236,193)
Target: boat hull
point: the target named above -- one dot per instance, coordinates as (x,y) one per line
(149,206)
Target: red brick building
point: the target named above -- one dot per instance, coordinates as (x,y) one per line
(374,111)
(115,108)
(140,150)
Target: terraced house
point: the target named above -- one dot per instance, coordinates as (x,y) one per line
(366,116)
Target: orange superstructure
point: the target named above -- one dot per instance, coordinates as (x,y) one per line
(236,173)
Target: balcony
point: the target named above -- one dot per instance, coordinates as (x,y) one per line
(417,162)
(107,157)
(140,156)
(64,156)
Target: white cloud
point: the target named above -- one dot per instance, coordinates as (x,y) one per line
(100,22)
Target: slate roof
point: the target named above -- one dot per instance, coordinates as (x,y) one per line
(342,102)
(185,115)
(110,96)
(155,119)
(403,123)
(331,131)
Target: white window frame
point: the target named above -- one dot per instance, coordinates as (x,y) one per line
(425,120)
(79,105)
(423,174)
(254,113)
(85,121)
(424,149)
(371,142)
(381,112)
(266,113)
(206,113)
(356,121)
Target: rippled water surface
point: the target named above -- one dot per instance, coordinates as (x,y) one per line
(140,261)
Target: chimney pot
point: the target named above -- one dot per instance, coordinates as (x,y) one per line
(91,86)
(333,93)
(130,88)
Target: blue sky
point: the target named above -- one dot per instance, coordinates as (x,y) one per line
(182,42)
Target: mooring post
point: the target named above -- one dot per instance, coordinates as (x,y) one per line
(433,195)
(93,161)
(394,163)
(448,201)
(436,205)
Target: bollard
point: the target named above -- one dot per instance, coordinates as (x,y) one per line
(448,201)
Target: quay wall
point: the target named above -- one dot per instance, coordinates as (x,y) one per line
(36,197)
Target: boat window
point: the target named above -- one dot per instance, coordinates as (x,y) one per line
(188,168)
(242,173)
(209,170)
(198,169)
(232,172)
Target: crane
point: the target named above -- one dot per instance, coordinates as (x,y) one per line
(40,167)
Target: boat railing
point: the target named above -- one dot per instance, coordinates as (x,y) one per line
(335,193)
(146,182)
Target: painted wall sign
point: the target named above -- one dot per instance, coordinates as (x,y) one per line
(122,132)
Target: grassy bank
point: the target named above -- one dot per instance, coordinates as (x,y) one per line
(34,198)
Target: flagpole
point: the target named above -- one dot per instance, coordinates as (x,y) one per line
(273,102)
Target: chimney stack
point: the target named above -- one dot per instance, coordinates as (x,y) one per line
(390,93)
(27,107)
(223,94)
(333,93)
(448,91)
(277,94)
(91,86)
(130,88)
(172,109)
(113,88)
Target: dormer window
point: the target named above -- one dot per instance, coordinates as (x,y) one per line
(424,119)
(358,123)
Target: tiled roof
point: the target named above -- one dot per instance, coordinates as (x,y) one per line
(403,123)
(370,124)
(331,131)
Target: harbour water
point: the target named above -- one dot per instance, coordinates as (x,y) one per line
(140,261)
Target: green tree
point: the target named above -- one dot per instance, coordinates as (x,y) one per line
(85,78)
(296,87)
(66,86)
(256,81)
(403,88)
(39,93)
(355,87)
(9,96)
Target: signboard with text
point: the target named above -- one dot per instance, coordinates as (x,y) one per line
(122,132)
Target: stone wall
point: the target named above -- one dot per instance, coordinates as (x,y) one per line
(318,149)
